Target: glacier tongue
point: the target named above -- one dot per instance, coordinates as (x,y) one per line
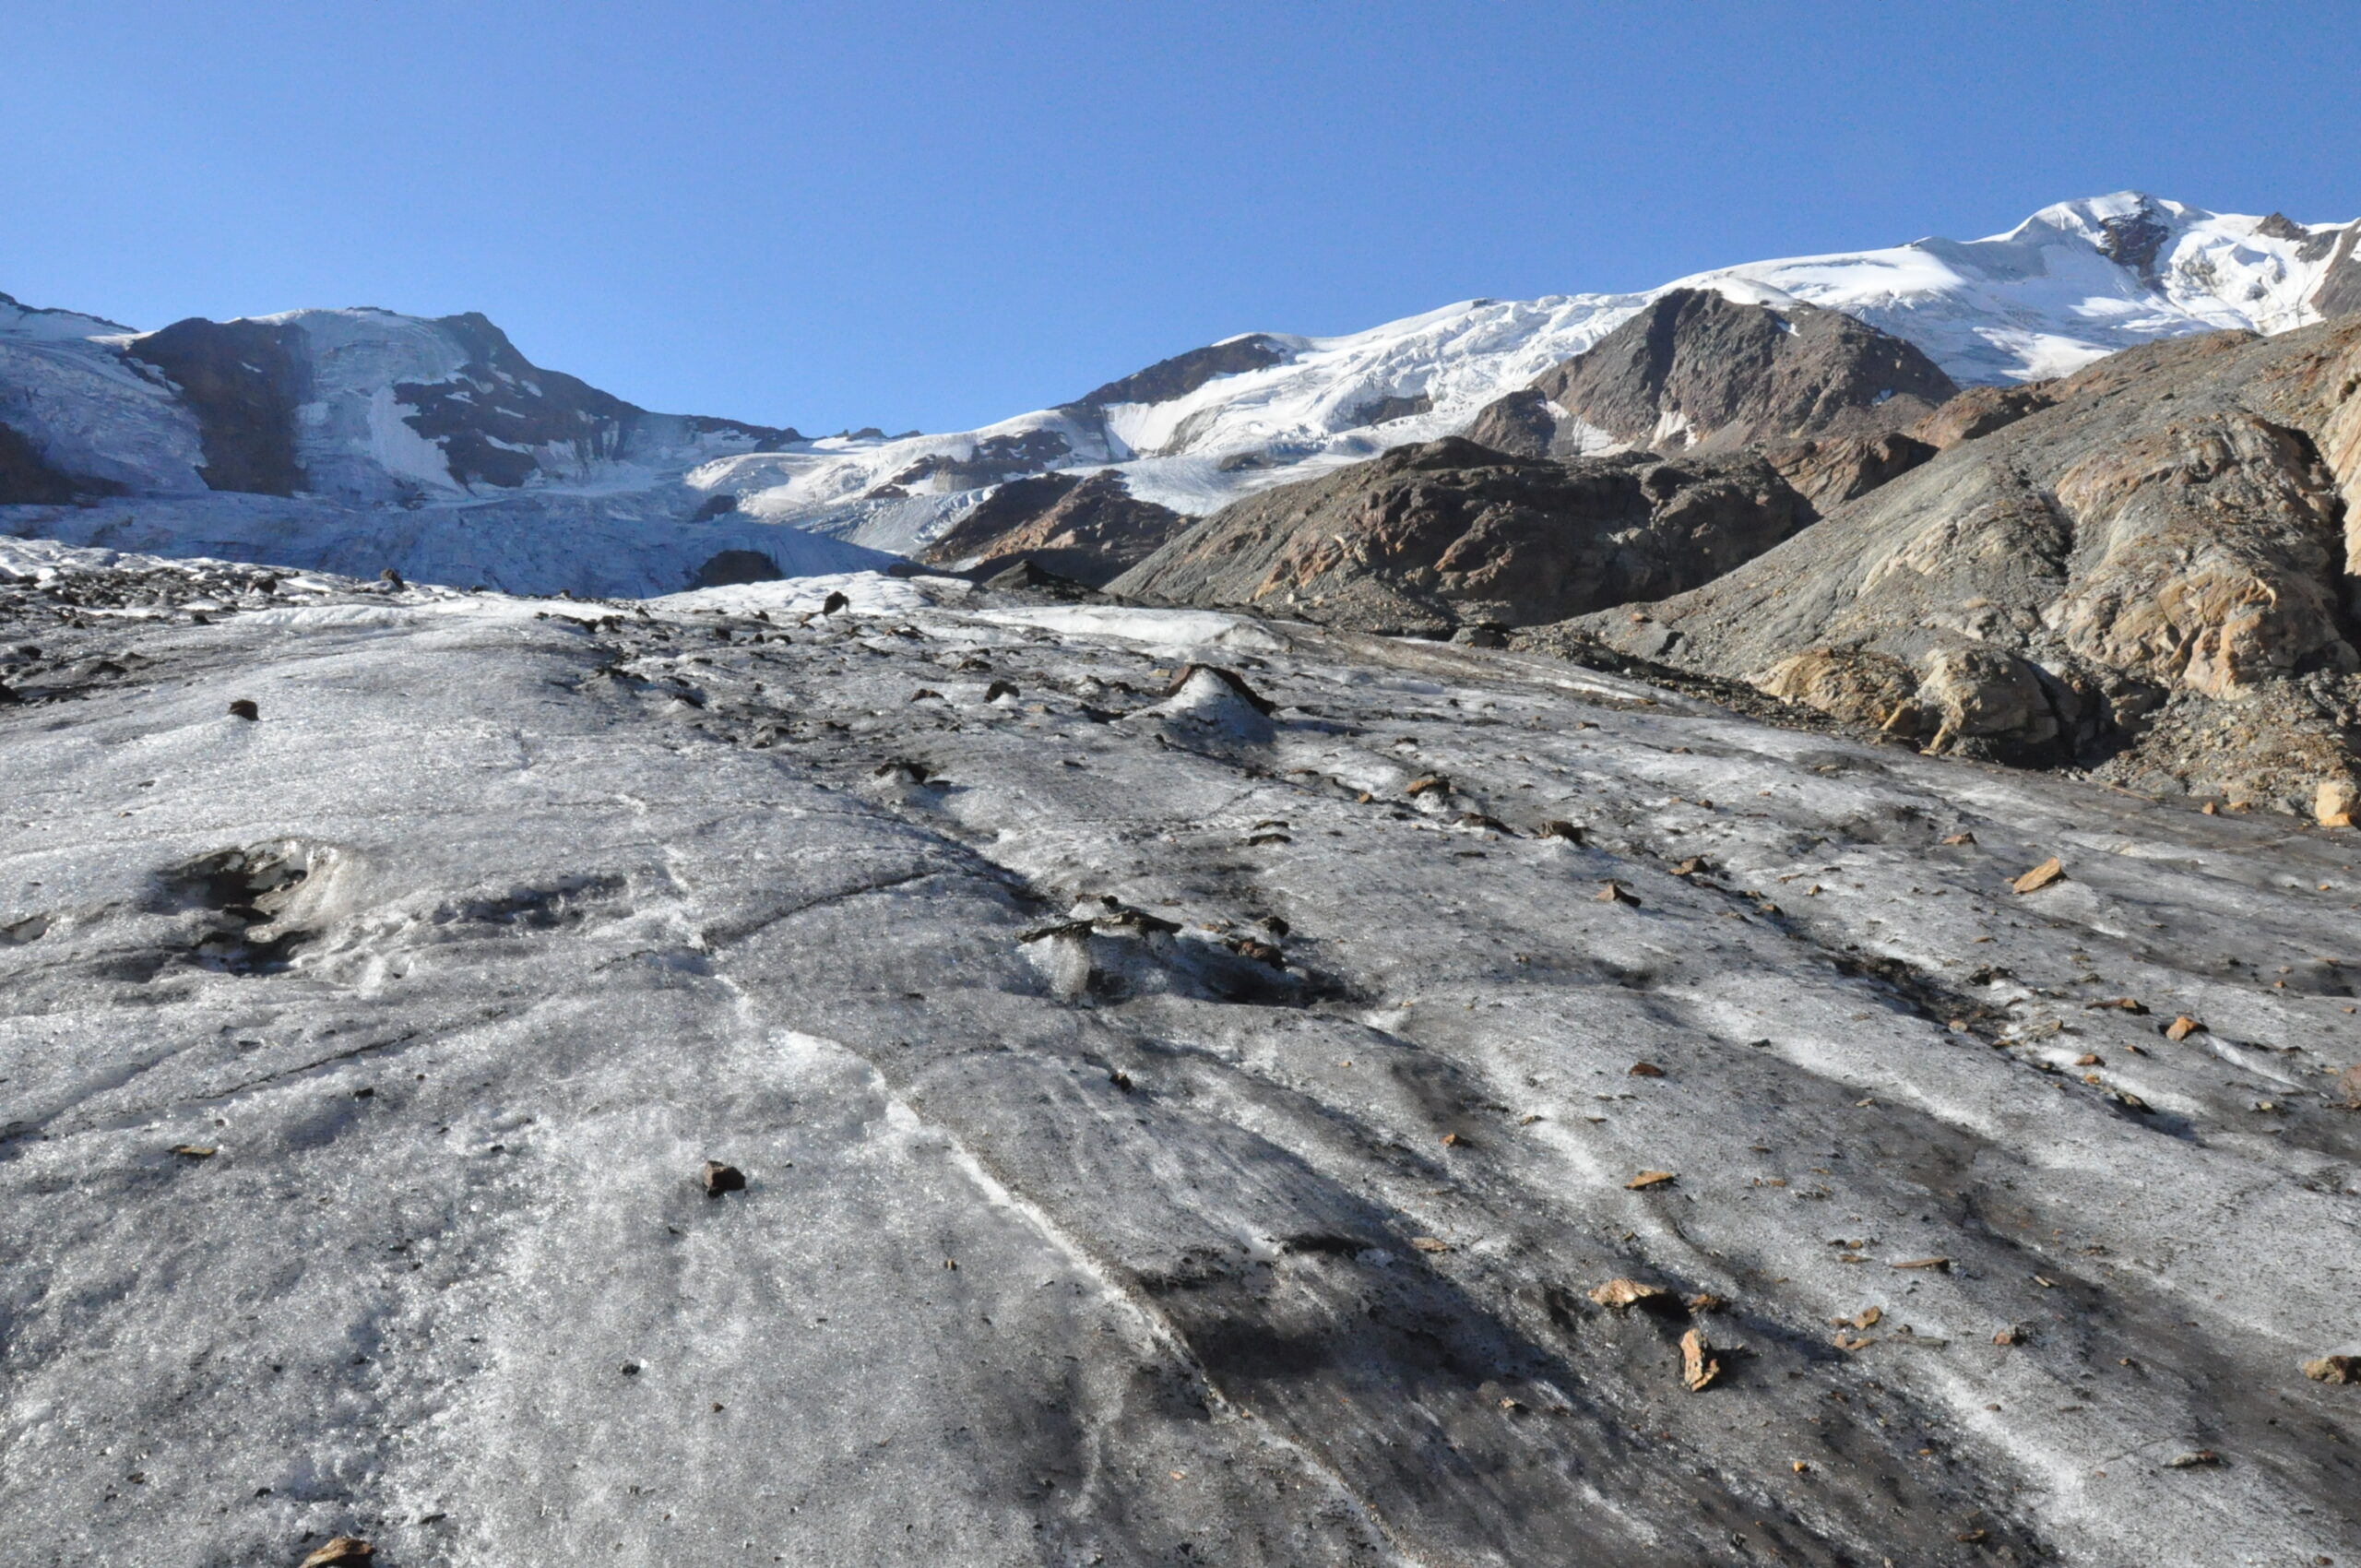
(1163,1141)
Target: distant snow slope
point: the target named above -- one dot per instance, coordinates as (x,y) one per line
(538,480)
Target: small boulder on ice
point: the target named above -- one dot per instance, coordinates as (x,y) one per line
(1215,703)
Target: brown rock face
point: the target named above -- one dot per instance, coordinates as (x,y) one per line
(1979,411)
(1843,468)
(2155,574)
(1088,530)
(1695,372)
(1446,532)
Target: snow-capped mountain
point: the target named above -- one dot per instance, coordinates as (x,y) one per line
(361,439)
(2070,284)
(355,439)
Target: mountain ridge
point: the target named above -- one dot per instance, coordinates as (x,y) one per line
(444,421)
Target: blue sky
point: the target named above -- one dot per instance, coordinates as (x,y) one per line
(935,216)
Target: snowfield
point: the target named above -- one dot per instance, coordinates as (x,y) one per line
(1171,1130)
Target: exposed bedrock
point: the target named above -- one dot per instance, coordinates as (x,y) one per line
(27,478)
(244,381)
(2152,566)
(1088,530)
(1696,371)
(1449,533)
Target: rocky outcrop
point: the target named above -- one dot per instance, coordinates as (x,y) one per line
(244,381)
(1843,468)
(1980,411)
(2155,574)
(2339,293)
(1449,533)
(726,568)
(1697,371)
(987,462)
(1184,374)
(1522,424)
(1087,531)
(28,479)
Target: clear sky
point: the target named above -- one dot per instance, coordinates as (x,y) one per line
(939,215)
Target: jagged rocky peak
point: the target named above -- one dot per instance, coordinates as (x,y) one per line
(1449,533)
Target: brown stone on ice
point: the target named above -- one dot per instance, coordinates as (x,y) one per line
(1621,1293)
(1616,893)
(2334,1369)
(1956,838)
(1556,829)
(1699,1365)
(194,1151)
(718,1178)
(2182,1028)
(344,1552)
(2335,802)
(1646,1070)
(1647,1178)
(2012,1334)
(1941,1265)
(1429,782)
(243,708)
(2041,876)
(1429,1244)
(2199,1459)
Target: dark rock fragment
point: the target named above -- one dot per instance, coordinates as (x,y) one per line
(718,1179)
